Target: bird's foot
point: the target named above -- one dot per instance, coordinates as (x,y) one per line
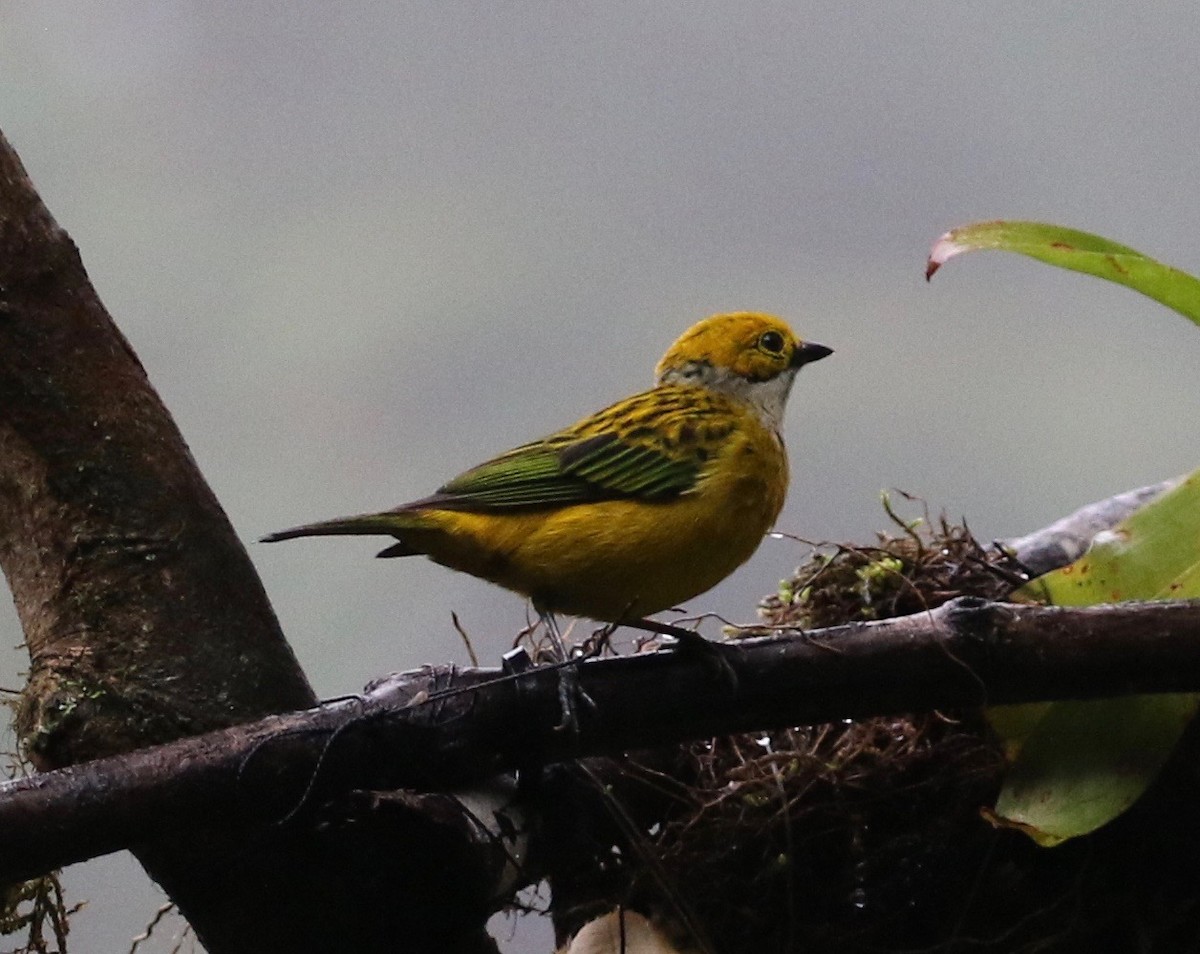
(716,656)
(572,697)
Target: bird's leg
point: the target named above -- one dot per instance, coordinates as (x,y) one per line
(714,655)
(570,691)
(556,640)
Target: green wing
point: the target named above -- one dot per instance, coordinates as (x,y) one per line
(606,457)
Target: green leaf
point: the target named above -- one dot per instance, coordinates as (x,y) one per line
(1086,762)
(1078,765)
(1077,251)
(1154,554)
(1016,724)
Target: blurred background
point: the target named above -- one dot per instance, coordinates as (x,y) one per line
(359,247)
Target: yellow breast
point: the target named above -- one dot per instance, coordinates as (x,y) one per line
(626,558)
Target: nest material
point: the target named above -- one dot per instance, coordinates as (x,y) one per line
(865,836)
(36,910)
(919,569)
(827,832)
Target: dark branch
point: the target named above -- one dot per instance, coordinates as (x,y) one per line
(146,622)
(439,729)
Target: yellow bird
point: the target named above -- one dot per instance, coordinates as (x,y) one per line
(635,509)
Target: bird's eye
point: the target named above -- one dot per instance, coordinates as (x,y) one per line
(771,342)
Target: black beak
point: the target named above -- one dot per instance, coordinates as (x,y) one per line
(808,352)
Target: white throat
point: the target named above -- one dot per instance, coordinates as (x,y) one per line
(767,398)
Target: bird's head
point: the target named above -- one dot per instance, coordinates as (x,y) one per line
(752,356)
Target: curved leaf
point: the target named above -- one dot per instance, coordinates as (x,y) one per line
(1078,765)
(1087,762)
(1077,251)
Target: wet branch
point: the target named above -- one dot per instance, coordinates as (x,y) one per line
(442,729)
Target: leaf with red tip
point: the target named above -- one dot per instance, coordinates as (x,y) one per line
(1077,251)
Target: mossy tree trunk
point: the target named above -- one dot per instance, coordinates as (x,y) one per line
(143,616)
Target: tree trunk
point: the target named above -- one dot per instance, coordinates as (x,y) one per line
(144,618)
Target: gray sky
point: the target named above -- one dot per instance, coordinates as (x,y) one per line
(359,247)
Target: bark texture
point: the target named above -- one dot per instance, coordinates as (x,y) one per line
(143,616)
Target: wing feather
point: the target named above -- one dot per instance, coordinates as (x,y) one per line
(597,459)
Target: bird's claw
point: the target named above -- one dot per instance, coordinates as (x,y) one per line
(571,698)
(714,655)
